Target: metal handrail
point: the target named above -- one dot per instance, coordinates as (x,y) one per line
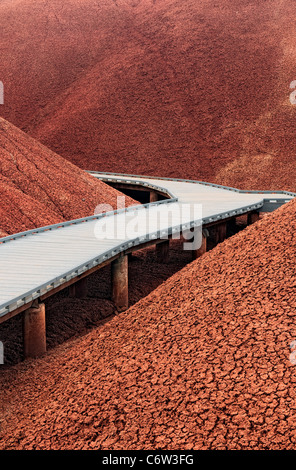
(214,185)
(45,228)
(78,270)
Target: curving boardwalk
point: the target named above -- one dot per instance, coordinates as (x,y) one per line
(37,263)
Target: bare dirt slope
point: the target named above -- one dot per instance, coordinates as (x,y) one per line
(188,89)
(38,187)
(202,362)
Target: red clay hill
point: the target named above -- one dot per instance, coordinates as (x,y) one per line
(38,187)
(203,362)
(190,89)
(196,89)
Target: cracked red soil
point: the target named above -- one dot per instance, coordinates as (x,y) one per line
(186,89)
(38,187)
(194,89)
(202,362)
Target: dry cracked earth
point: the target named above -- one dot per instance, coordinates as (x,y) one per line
(201,363)
(201,359)
(38,187)
(166,88)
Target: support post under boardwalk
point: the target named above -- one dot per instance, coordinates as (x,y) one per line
(162,251)
(253,217)
(231,227)
(79,289)
(153,196)
(222,230)
(119,274)
(203,248)
(214,234)
(34,331)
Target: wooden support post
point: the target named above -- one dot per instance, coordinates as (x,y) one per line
(162,251)
(119,274)
(253,217)
(34,330)
(203,248)
(221,229)
(78,289)
(153,196)
(72,290)
(219,232)
(214,234)
(131,257)
(231,227)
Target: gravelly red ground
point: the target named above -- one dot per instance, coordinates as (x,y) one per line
(188,89)
(38,187)
(69,317)
(191,89)
(202,362)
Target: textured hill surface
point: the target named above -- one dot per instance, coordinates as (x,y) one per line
(38,187)
(202,362)
(188,89)
(170,88)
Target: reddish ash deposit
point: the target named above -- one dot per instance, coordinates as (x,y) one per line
(40,188)
(186,89)
(196,89)
(202,362)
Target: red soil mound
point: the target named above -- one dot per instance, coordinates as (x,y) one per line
(39,188)
(202,362)
(68,317)
(188,89)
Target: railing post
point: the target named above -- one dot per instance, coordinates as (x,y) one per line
(119,274)
(34,330)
